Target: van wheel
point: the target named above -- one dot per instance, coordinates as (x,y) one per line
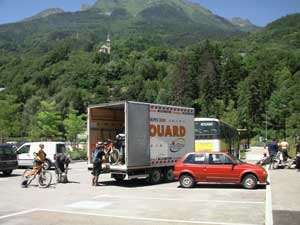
(47,164)
(186,181)
(155,176)
(249,181)
(169,175)
(7,172)
(119,177)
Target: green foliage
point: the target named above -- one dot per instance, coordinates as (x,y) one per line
(74,125)
(52,69)
(48,122)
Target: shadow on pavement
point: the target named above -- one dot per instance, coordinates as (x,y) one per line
(225,186)
(134,183)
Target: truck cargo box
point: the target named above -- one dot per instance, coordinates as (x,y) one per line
(155,135)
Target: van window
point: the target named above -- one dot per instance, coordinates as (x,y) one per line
(24,149)
(60,148)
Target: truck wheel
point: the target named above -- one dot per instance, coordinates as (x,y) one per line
(155,176)
(119,177)
(249,181)
(186,181)
(169,175)
(7,172)
(47,164)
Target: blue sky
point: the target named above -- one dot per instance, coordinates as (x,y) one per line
(259,12)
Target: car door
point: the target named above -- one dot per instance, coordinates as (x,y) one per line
(196,164)
(220,169)
(24,156)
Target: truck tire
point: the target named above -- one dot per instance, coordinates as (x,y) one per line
(155,176)
(187,181)
(118,177)
(7,172)
(249,181)
(169,175)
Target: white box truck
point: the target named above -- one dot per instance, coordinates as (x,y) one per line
(156,136)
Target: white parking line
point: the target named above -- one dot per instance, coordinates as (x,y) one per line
(18,213)
(269,209)
(143,218)
(176,199)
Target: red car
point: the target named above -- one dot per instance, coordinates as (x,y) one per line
(217,167)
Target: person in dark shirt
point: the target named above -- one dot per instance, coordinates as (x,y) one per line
(273,149)
(61,166)
(97,162)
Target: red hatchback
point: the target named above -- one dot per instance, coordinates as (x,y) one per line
(217,167)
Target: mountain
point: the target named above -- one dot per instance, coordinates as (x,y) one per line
(168,22)
(46,13)
(244,24)
(284,32)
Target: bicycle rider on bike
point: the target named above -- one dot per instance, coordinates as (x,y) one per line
(39,159)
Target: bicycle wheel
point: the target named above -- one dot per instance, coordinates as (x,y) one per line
(28,178)
(45,178)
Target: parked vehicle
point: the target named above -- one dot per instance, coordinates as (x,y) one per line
(26,156)
(217,167)
(214,135)
(8,159)
(155,137)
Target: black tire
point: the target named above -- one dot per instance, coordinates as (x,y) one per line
(44,179)
(187,181)
(7,172)
(118,177)
(249,182)
(169,175)
(29,179)
(155,176)
(47,164)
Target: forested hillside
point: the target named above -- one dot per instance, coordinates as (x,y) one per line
(51,68)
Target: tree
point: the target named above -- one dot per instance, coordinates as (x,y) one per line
(48,122)
(74,125)
(9,119)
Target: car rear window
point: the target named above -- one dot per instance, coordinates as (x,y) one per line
(195,159)
(6,150)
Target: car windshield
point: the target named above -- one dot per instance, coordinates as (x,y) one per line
(238,160)
(6,150)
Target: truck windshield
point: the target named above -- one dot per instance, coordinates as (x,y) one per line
(6,150)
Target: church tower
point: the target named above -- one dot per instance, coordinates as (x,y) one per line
(107,47)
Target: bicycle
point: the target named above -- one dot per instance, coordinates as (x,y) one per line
(44,176)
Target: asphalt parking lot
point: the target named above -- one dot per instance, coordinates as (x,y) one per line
(129,202)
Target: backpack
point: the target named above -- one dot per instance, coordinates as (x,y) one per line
(96,157)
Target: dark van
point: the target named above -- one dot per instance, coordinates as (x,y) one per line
(8,159)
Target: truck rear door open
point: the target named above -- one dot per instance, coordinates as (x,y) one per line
(138,141)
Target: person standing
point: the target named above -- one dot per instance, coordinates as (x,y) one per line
(272,149)
(284,147)
(97,162)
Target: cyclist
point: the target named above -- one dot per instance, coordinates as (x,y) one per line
(39,159)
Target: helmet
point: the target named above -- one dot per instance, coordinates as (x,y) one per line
(100,144)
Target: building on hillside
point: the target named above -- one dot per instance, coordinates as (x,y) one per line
(107,47)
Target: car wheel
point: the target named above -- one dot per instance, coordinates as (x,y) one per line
(47,164)
(249,182)
(7,172)
(186,181)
